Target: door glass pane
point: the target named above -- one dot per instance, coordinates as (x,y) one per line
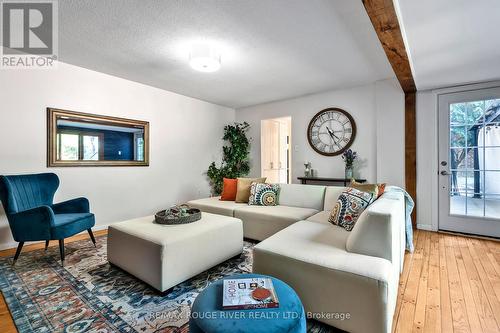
(492,205)
(69,147)
(461,136)
(458,114)
(475,205)
(475,158)
(457,203)
(90,148)
(462,158)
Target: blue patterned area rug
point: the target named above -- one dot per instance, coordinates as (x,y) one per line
(89,295)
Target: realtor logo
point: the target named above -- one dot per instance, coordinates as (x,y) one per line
(29,34)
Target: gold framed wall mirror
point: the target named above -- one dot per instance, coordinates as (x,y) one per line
(76,139)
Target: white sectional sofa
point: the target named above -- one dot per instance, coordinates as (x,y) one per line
(296,203)
(348,280)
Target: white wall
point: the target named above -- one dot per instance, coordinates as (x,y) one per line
(390,132)
(185,137)
(378,110)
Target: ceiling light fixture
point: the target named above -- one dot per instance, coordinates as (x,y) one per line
(205,58)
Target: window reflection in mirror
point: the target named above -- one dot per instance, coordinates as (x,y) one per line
(83,139)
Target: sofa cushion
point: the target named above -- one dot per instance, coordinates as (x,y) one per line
(311,257)
(216,206)
(350,204)
(305,196)
(264,194)
(321,217)
(260,222)
(326,246)
(332,193)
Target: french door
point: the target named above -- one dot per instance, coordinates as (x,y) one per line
(469,162)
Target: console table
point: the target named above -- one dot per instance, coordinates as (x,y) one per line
(342,181)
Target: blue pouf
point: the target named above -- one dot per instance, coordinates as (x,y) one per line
(207,315)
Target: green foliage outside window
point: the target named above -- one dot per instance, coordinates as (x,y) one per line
(463,116)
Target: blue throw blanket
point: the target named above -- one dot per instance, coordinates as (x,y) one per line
(409,205)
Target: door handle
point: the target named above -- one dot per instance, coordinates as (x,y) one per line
(444,173)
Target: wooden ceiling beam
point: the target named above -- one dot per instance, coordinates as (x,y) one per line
(385,21)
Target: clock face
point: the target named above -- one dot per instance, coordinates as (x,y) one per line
(331,131)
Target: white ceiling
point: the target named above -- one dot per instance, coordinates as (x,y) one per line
(452,42)
(272,50)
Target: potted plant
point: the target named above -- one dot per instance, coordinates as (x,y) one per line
(349,156)
(235,157)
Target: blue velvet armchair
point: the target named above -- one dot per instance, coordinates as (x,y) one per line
(32,215)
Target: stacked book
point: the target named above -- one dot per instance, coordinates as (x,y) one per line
(249,293)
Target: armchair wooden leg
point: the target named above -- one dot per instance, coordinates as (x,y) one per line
(46,245)
(61,250)
(92,236)
(18,252)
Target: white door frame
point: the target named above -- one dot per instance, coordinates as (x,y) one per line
(464,224)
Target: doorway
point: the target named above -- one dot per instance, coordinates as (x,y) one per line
(469,162)
(275,149)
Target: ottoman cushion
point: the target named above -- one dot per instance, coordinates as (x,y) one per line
(166,255)
(207,315)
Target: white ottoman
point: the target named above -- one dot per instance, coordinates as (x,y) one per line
(166,255)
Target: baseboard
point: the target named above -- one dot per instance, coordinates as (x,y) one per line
(13,245)
(495,239)
(427,227)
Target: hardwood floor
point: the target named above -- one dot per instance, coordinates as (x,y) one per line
(449,284)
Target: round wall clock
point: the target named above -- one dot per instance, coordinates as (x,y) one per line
(331,131)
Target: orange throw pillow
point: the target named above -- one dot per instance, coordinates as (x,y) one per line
(229,189)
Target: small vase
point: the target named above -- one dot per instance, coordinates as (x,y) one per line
(348,172)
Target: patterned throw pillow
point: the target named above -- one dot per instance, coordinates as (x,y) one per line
(264,194)
(349,206)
